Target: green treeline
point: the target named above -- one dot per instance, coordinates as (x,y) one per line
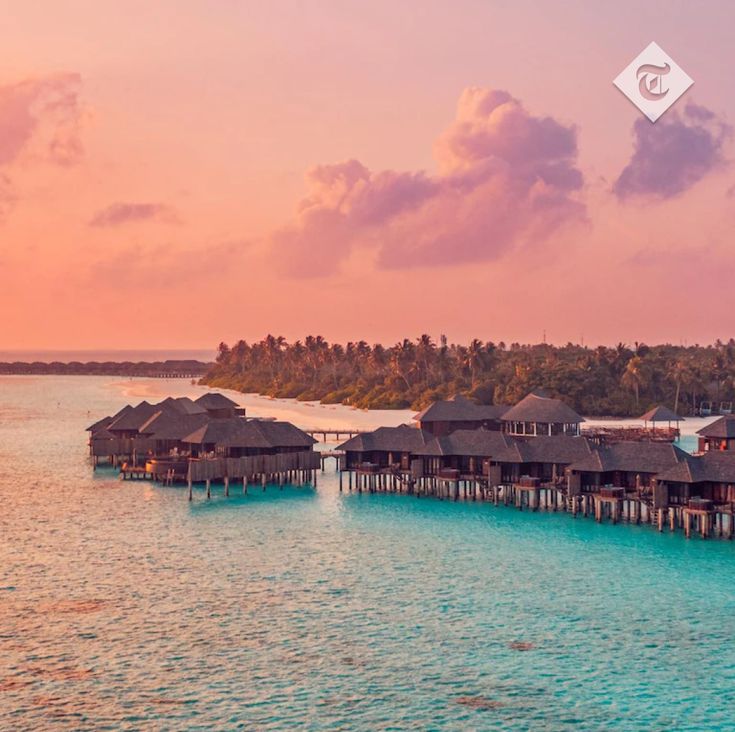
(619,381)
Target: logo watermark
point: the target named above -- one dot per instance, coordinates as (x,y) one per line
(653,81)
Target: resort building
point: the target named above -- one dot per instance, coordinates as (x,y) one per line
(538,414)
(459,413)
(720,435)
(461,454)
(219,406)
(706,479)
(384,448)
(203,440)
(627,466)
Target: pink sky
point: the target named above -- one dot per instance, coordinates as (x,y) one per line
(173,174)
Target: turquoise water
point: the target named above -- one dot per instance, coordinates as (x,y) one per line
(122,606)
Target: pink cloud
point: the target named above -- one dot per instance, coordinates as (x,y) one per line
(507,178)
(41,117)
(674,154)
(169,266)
(117,214)
(46,111)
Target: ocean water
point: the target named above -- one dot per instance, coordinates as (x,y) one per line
(123,606)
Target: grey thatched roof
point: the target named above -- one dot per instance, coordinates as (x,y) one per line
(661,414)
(723,428)
(133,418)
(711,467)
(560,449)
(170,425)
(215,400)
(632,457)
(249,433)
(536,408)
(389,439)
(471,443)
(99,425)
(282,434)
(182,405)
(460,409)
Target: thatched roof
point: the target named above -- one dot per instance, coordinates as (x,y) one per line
(282,434)
(632,457)
(100,424)
(460,409)
(711,467)
(106,421)
(472,443)
(182,405)
(250,433)
(166,424)
(722,428)
(560,449)
(132,419)
(215,400)
(230,432)
(389,439)
(661,414)
(542,409)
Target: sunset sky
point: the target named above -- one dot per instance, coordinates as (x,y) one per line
(173,174)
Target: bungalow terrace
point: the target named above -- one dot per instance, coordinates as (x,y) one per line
(537,414)
(459,413)
(718,436)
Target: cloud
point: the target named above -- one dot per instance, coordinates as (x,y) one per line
(669,157)
(44,113)
(168,266)
(117,214)
(506,179)
(40,118)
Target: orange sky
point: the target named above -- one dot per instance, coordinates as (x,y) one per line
(173,174)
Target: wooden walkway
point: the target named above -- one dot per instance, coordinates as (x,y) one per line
(335,434)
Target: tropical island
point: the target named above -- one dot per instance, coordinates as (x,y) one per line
(619,381)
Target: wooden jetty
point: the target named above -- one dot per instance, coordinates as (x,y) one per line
(334,434)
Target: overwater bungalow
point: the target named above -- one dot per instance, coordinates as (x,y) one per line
(621,477)
(537,414)
(699,493)
(544,459)
(168,429)
(236,437)
(709,477)
(718,436)
(219,406)
(463,454)
(203,440)
(459,413)
(385,448)
(628,466)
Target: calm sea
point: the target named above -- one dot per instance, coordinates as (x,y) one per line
(122,606)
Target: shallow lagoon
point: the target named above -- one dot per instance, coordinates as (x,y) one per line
(122,606)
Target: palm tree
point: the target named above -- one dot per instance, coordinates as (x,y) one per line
(633,377)
(678,373)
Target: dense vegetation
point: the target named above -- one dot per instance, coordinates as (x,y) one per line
(619,381)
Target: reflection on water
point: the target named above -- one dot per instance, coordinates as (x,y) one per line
(122,606)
